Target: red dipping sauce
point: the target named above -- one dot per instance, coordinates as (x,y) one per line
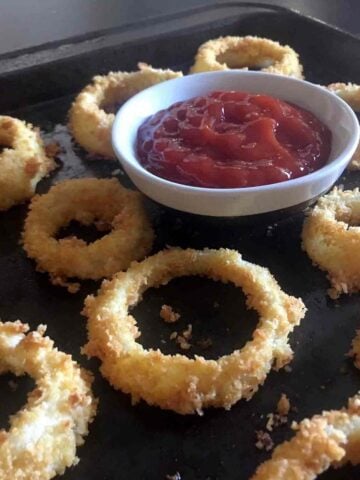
(232,139)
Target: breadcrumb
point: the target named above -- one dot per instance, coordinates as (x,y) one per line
(168,314)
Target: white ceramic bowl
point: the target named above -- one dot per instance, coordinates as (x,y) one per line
(329,108)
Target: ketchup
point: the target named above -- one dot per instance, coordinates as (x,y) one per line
(232,139)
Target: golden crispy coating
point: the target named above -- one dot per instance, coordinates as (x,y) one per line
(103,202)
(320,442)
(350,92)
(23,162)
(242,52)
(42,439)
(332,240)
(90,123)
(176,382)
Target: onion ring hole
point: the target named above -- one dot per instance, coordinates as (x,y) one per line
(217,313)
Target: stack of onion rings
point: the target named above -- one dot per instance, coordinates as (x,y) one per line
(242,52)
(88,201)
(90,123)
(177,382)
(331,240)
(42,439)
(320,442)
(23,162)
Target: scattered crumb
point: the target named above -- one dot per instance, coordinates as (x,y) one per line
(163,341)
(72,287)
(13,385)
(115,172)
(173,335)
(288,369)
(183,339)
(274,420)
(168,314)
(52,149)
(187,334)
(270,423)
(283,406)
(264,441)
(176,476)
(204,343)
(183,343)
(322,387)
(216,304)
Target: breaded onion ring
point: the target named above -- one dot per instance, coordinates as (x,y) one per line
(241,52)
(88,201)
(176,382)
(42,439)
(349,92)
(320,442)
(331,240)
(90,123)
(23,162)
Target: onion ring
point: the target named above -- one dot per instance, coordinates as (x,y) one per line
(90,123)
(88,201)
(42,439)
(332,242)
(224,53)
(177,382)
(320,442)
(23,162)
(349,92)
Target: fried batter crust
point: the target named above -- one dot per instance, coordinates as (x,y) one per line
(90,123)
(224,53)
(42,439)
(176,382)
(23,162)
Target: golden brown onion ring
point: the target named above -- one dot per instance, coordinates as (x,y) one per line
(242,52)
(42,439)
(320,442)
(23,161)
(90,123)
(103,202)
(176,382)
(332,240)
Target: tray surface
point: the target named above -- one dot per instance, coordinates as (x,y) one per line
(142,442)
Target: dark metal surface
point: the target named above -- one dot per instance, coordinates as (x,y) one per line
(141,442)
(29,23)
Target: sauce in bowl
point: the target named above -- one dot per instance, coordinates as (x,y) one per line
(230,139)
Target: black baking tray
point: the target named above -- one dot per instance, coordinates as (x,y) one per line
(142,442)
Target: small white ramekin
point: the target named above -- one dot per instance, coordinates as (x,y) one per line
(329,108)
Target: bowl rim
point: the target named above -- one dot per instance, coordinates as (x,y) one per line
(343,158)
